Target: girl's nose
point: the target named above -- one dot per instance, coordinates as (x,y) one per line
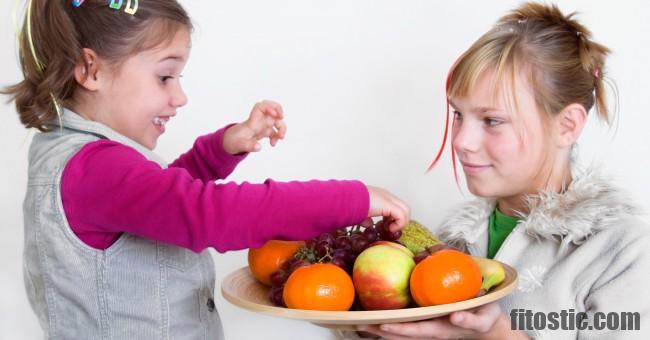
(464,138)
(178,98)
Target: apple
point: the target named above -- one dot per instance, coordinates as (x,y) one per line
(381,276)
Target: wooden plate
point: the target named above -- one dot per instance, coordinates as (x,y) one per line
(242,290)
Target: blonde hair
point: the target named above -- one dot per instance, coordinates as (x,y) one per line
(54,34)
(556,53)
(563,64)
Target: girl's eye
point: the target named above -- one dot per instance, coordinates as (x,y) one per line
(458,115)
(492,121)
(164,79)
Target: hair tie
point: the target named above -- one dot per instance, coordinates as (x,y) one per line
(77,3)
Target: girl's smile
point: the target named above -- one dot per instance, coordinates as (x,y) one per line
(474,169)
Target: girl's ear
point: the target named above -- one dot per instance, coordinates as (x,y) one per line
(570,122)
(85,71)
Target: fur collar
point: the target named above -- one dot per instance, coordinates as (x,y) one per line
(590,204)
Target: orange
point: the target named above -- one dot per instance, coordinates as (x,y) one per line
(320,286)
(269,258)
(446,276)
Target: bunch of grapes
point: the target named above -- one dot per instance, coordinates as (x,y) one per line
(340,247)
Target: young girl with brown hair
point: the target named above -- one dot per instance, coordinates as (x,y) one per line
(116,238)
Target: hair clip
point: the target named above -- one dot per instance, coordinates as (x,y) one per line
(115,5)
(129,9)
(77,3)
(118,5)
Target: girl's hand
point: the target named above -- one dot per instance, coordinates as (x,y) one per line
(485,322)
(383,203)
(266,120)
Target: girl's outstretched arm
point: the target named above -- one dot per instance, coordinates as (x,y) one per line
(108,189)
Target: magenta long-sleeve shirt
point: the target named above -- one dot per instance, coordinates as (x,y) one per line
(108,189)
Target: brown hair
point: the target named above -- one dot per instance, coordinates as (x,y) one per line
(52,40)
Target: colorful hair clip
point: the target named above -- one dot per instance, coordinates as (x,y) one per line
(129,9)
(115,5)
(77,3)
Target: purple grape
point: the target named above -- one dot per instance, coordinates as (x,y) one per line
(339,253)
(359,243)
(289,263)
(328,238)
(340,262)
(421,256)
(391,235)
(296,265)
(310,243)
(278,278)
(380,226)
(322,249)
(275,295)
(342,242)
(350,256)
(371,234)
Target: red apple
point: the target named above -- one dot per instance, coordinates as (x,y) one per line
(381,276)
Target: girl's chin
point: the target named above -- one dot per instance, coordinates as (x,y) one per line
(481,190)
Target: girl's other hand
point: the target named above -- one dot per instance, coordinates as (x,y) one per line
(383,203)
(485,322)
(266,120)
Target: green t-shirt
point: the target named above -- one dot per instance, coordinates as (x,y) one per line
(500,226)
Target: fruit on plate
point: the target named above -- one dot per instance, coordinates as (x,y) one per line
(320,286)
(269,258)
(445,276)
(492,272)
(339,247)
(417,237)
(381,276)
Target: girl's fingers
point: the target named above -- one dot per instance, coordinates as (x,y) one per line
(400,215)
(480,320)
(253,146)
(406,210)
(277,108)
(281,128)
(271,107)
(273,140)
(374,329)
(436,328)
(367,222)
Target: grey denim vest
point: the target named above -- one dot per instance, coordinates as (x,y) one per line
(136,289)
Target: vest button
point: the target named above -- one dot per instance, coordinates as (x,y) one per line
(210,304)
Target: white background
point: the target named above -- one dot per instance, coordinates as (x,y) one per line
(362,84)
